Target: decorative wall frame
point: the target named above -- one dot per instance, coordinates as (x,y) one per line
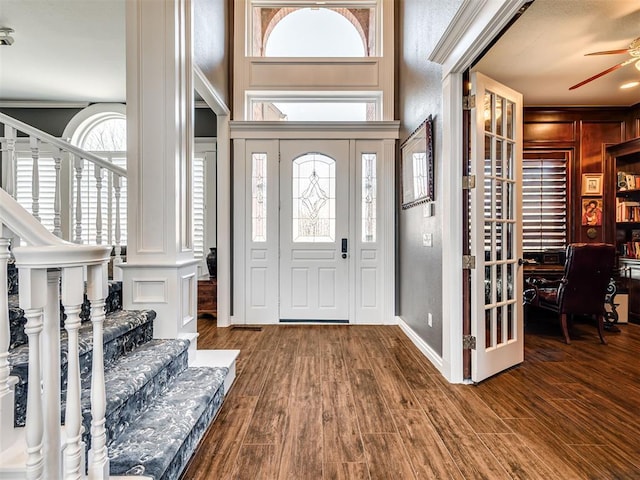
(592,184)
(592,212)
(417,166)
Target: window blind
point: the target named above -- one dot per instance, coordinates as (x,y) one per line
(544,201)
(198,196)
(47,182)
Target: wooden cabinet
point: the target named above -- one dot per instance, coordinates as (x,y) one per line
(208,296)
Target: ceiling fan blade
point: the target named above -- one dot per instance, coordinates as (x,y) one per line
(604,72)
(607,52)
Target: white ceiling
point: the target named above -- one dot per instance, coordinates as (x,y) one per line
(74,51)
(64,51)
(543,53)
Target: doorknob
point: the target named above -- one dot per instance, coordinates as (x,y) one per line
(344,248)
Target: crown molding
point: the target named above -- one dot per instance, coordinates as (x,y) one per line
(474,26)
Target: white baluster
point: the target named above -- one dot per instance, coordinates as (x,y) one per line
(34,143)
(33,283)
(6,382)
(57,222)
(9,159)
(72,297)
(117,260)
(97,289)
(51,377)
(98,176)
(78,165)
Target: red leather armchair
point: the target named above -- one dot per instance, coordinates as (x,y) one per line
(583,287)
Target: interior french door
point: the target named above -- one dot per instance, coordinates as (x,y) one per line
(496,228)
(314,230)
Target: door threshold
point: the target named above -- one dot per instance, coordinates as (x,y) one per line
(313,320)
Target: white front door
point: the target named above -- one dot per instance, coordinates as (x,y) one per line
(314,230)
(496,228)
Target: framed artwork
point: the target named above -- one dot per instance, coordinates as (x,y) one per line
(591,184)
(417,166)
(592,212)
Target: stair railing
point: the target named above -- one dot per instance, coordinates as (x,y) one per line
(66,223)
(51,269)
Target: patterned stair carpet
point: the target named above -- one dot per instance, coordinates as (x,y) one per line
(157,407)
(165,436)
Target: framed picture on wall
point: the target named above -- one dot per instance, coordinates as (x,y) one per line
(417,166)
(592,212)
(591,184)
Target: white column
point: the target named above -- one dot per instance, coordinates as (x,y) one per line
(160,272)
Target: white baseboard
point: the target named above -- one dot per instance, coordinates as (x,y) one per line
(426,350)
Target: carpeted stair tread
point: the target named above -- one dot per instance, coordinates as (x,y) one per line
(164,436)
(135,380)
(115,325)
(124,330)
(17,321)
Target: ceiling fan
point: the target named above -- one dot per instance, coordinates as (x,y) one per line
(633,50)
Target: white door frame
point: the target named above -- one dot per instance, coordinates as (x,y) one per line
(223,192)
(255,261)
(473,28)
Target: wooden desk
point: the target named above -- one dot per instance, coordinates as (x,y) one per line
(549,272)
(208,296)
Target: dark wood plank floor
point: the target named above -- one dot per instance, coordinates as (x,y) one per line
(361,402)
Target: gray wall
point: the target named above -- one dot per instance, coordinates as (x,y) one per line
(211,35)
(419,26)
(54,120)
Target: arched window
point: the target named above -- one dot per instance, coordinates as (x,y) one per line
(314,31)
(319,32)
(101,129)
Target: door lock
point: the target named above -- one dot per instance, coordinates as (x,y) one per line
(344,248)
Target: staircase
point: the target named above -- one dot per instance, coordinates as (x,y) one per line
(85,389)
(157,407)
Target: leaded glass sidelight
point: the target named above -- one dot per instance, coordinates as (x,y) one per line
(314,198)
(369,197)
(259,197)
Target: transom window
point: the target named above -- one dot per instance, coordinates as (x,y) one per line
(313,31)
(345,109)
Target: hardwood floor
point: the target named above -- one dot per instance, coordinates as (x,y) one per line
(361,402)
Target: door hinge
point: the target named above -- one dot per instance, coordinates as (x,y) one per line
(468,262)
(468,182)
(468,102)
(468,342)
